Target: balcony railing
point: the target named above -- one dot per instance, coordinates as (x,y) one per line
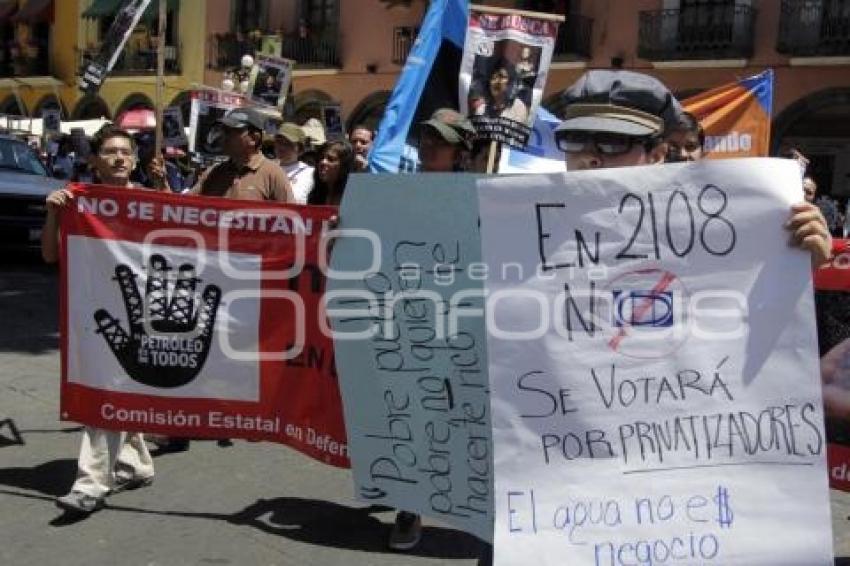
(814,28)
(700,32)
(139,61)
(574,38)
(403,40)
(227,51)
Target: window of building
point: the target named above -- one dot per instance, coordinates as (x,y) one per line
(564,7)
(249,15)
(321,17)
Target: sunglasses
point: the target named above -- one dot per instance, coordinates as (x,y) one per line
(604,143)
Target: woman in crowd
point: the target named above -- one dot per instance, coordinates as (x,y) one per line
(502,99)
(335,162)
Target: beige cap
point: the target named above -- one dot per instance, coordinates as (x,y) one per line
(314,131)
(291,132)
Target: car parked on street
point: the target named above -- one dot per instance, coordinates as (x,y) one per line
(24,186)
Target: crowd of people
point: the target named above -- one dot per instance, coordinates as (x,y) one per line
(612,119)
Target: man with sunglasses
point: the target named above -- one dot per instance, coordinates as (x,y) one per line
(620,118)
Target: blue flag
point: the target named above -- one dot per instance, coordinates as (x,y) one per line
(428,81)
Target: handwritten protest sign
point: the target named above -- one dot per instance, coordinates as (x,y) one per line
(406,303)
(197,317)
(653,369)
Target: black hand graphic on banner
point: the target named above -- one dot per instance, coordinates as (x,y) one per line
(175,352)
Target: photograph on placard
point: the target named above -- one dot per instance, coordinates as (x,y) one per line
(332,116)
(206,137)
(51,121)
(173,133)
(503,73)
(269,82)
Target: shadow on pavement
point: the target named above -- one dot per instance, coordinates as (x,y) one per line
(330,524)
(29,305)
(51,478)
(13,432)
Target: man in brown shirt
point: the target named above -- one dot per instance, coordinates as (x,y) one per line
(247,174)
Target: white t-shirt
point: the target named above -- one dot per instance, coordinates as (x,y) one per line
(301,178)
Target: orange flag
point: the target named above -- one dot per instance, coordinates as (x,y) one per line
(736,117)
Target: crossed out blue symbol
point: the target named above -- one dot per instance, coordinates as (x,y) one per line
(648,309)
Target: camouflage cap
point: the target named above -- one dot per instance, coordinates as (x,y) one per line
(452,126)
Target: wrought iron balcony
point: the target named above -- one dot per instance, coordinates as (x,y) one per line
(699,32)
(228,49)
(403,40)
(814,28)
(574,38)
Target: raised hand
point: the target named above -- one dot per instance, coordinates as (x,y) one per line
(168,340)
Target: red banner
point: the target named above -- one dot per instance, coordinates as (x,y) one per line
(835,275)
(198,317)
(832,298)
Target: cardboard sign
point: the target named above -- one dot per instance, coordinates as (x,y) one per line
(414,385)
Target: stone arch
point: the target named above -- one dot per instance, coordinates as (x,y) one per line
(13,107)
(308,104)
(369,111)
(806,106)
(135,101)
(91,107)
(48,102)
(819,126)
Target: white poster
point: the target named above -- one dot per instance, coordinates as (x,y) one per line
(206,137)
(653,369)
(270,80)
(504,68)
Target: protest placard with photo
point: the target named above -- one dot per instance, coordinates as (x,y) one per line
(198,318)
(332,117)
(173,133)
(206,137)
(654,368)
(505,64)
(51,121)
(270,80)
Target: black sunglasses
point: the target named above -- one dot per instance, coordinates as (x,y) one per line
(604,143)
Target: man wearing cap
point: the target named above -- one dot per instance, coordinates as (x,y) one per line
(445,141)
(288,145)
(247,174)
(619,118)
